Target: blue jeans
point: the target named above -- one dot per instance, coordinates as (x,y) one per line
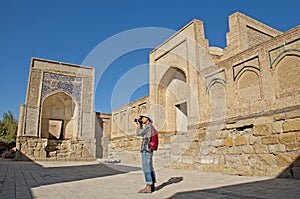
(148,169)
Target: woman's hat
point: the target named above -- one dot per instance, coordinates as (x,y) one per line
(147,116)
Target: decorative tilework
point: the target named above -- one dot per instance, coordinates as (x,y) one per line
(218,76)
(276,53)
(55,82)
(252,64)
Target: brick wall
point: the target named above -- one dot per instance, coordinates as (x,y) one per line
(246,117)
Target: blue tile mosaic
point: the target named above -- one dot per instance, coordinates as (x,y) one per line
(54,82)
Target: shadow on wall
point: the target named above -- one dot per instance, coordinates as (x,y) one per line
(35,175)
(99,135)
(293,171)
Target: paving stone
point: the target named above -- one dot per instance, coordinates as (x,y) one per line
(94,180)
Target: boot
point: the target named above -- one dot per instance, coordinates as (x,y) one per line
(147,189)
(152,187)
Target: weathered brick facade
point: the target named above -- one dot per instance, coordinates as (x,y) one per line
(57,122)
(234,110)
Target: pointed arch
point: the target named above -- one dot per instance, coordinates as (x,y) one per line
(287,72)
(215,81)
(173,91)
(244,69)
(248,85)
(218,76)
(171,74)
(58,116)
(217,100)
(282,55)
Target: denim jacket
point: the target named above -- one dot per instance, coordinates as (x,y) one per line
(145,132)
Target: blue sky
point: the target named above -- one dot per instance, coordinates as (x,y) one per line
(68,31)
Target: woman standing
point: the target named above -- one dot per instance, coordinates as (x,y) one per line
(144,129)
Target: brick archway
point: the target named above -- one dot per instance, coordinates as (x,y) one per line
(173,95)
(58,117)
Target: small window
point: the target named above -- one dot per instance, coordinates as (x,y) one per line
(182,107)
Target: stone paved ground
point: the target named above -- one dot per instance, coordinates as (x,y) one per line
(26,179)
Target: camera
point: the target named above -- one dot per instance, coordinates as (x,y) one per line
(138,120)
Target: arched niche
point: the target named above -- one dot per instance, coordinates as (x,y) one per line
(287,71)
(132,115)
(173,93)
(142,109)
(115,124)
(58,117)
(217,99)
(248,85)
(123,121)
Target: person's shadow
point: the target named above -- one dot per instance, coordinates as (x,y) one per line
(172,180)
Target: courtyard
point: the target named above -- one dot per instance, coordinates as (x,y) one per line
(28,179)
